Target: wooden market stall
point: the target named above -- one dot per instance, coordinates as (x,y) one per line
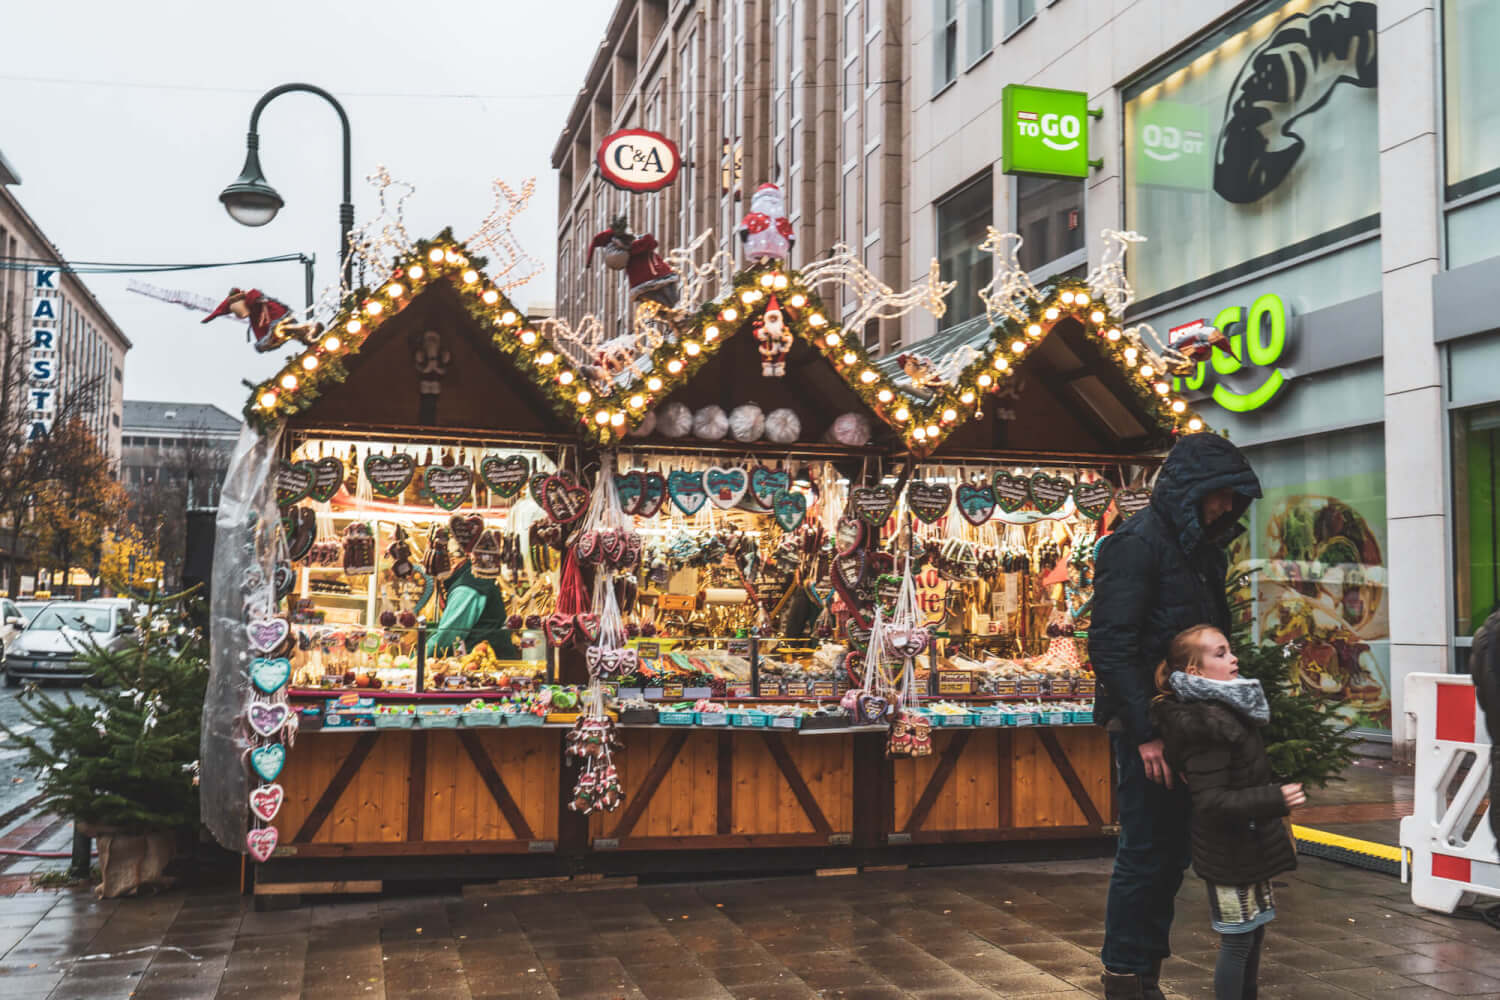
(432,409)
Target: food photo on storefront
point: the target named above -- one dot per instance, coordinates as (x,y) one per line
(492,599)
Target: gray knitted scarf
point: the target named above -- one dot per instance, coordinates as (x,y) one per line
(1244,695)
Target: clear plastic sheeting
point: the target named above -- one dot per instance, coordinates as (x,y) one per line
(244,560)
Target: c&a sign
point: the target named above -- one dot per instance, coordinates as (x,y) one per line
(634,159)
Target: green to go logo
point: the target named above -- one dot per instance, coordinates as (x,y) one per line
(1260,344)
(1045,132)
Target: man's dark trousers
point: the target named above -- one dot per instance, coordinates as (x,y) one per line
(1152,854)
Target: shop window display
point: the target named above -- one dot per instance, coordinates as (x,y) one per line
(1476,555)
(1252,147)
(1315,551)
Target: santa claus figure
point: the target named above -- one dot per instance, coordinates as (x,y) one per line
(651,278)
(272,322)
(774,338)
(765,231)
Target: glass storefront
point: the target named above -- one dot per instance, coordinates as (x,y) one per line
(963,218)
(1476,522)
(1471,127)
(1318,543)
(1258,145)
(1049,218)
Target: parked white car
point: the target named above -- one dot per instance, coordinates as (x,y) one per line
(52,646)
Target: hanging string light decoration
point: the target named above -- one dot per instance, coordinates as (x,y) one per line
(495,236)
(1010,292)
(384,238)
(876,300)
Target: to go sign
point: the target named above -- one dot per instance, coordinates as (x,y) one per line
(1259,343)
(634,159)
(1046,131)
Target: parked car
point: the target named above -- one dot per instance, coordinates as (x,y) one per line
(31,608)
(12,621)
(52,647)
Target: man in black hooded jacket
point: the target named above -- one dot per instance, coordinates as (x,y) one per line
(1163,571)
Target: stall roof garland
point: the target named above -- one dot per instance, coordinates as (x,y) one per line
(605,416)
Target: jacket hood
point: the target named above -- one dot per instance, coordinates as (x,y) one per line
(1195,723)
(1198,465)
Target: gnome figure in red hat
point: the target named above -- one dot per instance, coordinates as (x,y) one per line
(774,338)
(651,278)
(272,322)
(765,231)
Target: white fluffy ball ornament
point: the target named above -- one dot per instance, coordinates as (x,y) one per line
(674,420)
(747,423)
(710,424)
(851,430)
(782,426)
(646,426)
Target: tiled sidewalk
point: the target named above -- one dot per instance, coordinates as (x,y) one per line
(1011,931)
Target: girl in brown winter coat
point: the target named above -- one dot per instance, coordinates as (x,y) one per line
(1210,720)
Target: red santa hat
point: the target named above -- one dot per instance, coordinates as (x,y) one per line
(773,306)
(222,309)
(768,186)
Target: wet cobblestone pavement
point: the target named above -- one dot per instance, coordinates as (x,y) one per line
(1001,931)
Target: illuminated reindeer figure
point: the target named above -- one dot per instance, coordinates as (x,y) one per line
(1009,291)
(876,299)
(515,266)
(1108,282)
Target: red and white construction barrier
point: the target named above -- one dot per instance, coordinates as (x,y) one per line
(1447,839)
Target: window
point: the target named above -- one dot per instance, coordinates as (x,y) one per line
(1049,218)
(1218,198)
(1319,536)
(1017,13)
(962,220)
(945,43)
(1471,85)
(1476,519)
(979,30)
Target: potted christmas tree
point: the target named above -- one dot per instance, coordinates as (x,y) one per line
(124,769)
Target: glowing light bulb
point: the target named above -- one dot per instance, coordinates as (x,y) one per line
(1067,298)
(654,384)
(435,255)
(781,282)
(545,358)
(1195,424)
(490,296)
(833,338)
(867,376)
(950,415)
(1034,330)
(1051,313)
(710,333)
(450,256)
(884,395)
(749,296)
(932,430)
(967,397)
(584,397)
(565,378)
(797,301)
(816,319)
(289,381)
(471,276)
(691,348)
(1130,355)
(730,314)
(1113,335)
(507,317)
(985,381)
(617,419)
(394,290)
(416,272)
(768,280)
(1096,317)
(332,343)
(528,337)
(1147,371)
(850,357)
(267,400)
(1161,388)
(309,362)
(637,401)
(674,366)
(374,308)
(919,434)
(1018,346)
(602,417)
(1082,298)
(353,326)
(901,413)
(1178,406)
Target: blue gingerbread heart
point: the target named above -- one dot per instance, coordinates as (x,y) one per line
(270,675)
(267,761)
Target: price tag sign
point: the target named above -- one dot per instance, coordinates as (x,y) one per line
(955,682)
(796,689)
(824,689)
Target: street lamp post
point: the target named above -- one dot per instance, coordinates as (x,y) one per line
(251,201)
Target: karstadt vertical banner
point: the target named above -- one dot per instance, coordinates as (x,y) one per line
(46,330)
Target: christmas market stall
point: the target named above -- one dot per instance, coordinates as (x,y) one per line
(497,596)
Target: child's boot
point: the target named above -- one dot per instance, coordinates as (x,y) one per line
(1122,986)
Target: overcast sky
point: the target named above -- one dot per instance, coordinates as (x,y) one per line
(125,120)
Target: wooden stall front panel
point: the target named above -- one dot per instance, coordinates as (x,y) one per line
(475,791)
(698,789)
(998,784)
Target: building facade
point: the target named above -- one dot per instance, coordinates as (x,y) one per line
(42,304)
(182,446)
(808,94)
(1344,231)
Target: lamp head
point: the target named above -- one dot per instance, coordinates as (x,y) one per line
(249,200)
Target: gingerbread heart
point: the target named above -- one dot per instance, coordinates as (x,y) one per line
(859,638)
(564,502)
(266,634)
(504,476)
(300,525)
(466,529)
(1094,498)
(560,628)
(929,501)
(628,488)
(725,487)
(293,482)
(1132,501)
(848,535)
(906,642)
(871,709)
(588,625)
(327,477)
(265,801)
(267,761)
(389,475)
(976,503)
(767,484)
(283,579)
(449,485)
(613,545)
(687,491)
(789,509)
(873,504)
(850,569)
(1011,492)
(261,842)
(1049,493)
(653,494)
(270,675)
(266,719)
(587,545)
(534,484)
